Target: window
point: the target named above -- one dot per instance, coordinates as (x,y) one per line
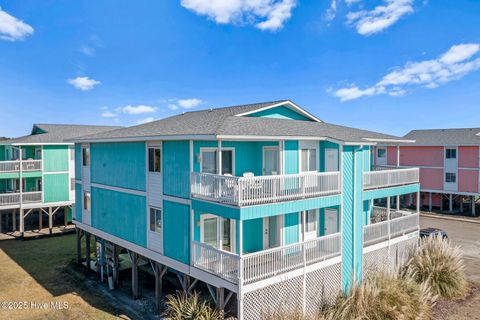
(155,220)
(154,163)
(381,153)
(209,161)
(450,153)
(450,177)
(311,221)
(309,160)
(86,156)
(210,231)
(86,201)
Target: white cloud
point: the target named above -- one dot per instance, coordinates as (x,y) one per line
(109,114)
(139,109)
(88,51)
(454,64)
(145,120)
(264,14)
(381,17)
(13,29)
(83,83)
(172,107)
(331,11)
(189,103)
(350,2)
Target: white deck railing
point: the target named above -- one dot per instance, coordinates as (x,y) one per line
(390,178)
(14,198)
(267,263)
(14,166)
(244,191)
(397,227)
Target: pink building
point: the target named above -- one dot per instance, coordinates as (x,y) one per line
(449,162)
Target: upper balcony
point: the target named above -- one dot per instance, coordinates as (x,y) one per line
(14,166)
(384,178)
(13,198)
(255,190)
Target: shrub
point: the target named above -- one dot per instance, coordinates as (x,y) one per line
(183,306)
(439,265)
(383,297)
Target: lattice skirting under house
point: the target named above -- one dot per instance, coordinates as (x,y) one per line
(307,292)
(387,258)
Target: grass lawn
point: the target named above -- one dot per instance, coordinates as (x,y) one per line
(42,271)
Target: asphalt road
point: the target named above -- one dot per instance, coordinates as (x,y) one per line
(464,234)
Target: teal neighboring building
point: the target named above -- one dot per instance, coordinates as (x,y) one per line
(37,175)
(263,202)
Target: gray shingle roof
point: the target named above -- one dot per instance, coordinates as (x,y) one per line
(57,133)
(441,137)
(224,121)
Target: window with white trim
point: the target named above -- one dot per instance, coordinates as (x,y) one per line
(450,177)
(381,152)
(156,220)
(308,160)
(85,156)
(450,153)
(210,160)
(154,160)
(311,221)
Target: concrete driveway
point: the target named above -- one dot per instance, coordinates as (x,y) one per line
(464,234)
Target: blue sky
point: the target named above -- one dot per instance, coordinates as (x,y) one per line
(386,65)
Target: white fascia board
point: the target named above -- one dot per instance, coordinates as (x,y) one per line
(389,140)
(291,105)
(267,138)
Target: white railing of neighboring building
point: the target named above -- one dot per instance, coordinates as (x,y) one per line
(14,166)
(389,178)
(267,263)
(14,198)
(389,229)
(244,191)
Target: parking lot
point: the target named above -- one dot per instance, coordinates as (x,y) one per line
(464,234)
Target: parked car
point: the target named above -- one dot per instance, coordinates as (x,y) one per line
(433,232)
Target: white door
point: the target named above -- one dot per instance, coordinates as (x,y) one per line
(331,221)
(331,160)
(381,157)
(218,232)
(451,169)
(272,236)
(271,161)
(311,224)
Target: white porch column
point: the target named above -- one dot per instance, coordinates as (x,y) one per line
(441,201)
(240,271)
(398,156)
(418,202)
(388,208)
(22,222)
(219,157)
(429,201)
(450,202)
(398,203)
(461,204)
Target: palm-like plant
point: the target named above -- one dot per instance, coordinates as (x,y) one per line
(183,306)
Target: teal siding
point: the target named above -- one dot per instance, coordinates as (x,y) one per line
(2,153)
(280,112)
(390,192)
(56,187)
(252,235)
(78,161)
(352,244)
(290,228)
(78,202)
(55,158)
(120,214)
(119,164)
(176,235)
(291,157)
(176,168)
(289,206)
(366,158)
(326,145)
(228,212)
(248,154)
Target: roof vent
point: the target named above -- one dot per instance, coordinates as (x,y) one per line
(211,109)
(183,112)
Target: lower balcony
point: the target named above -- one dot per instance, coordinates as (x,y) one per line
(8,199)
(16,165)
(255,190)
(382,229)
(264,264)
